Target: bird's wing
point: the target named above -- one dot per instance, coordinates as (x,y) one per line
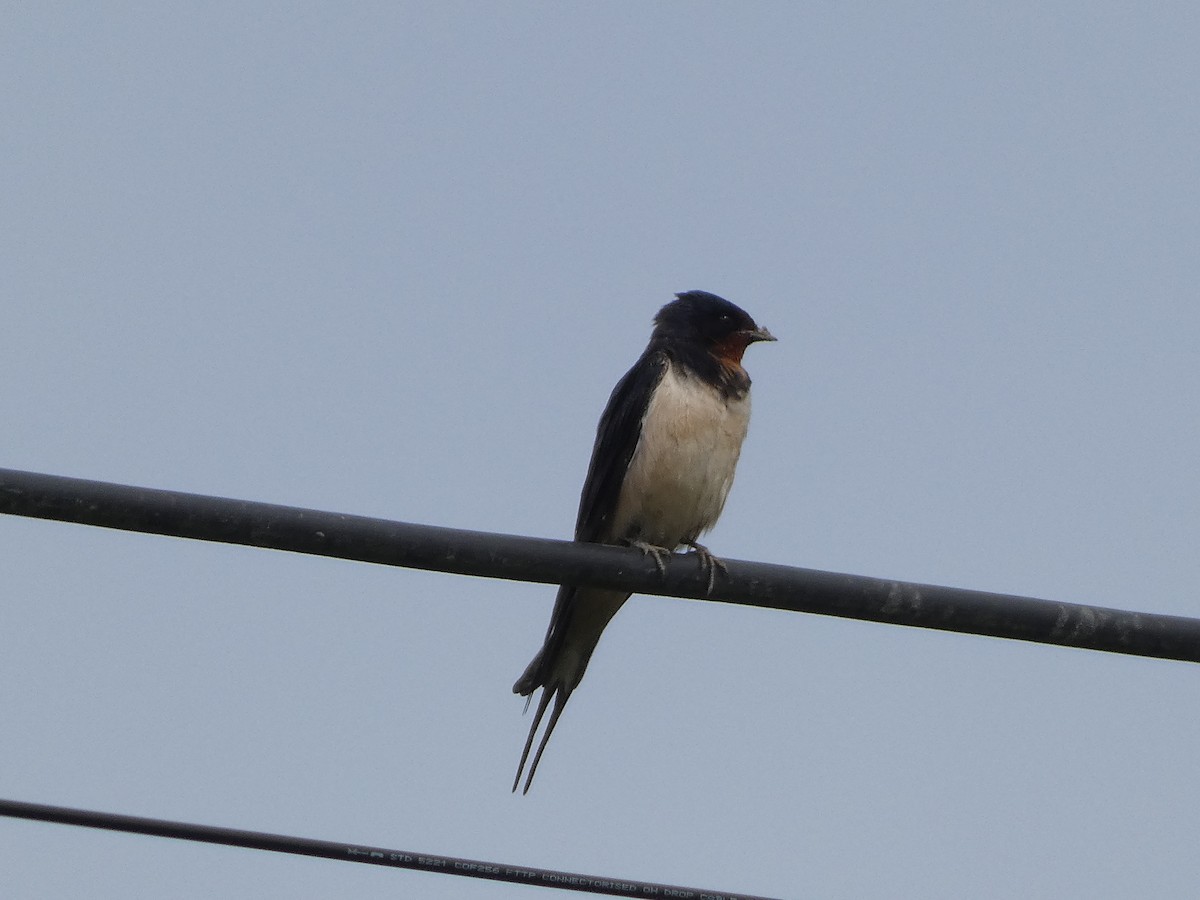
(616,439)
(581,614)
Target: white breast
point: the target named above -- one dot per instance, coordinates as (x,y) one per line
(683,466)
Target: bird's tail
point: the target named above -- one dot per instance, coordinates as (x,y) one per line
(579,618)
(561,693)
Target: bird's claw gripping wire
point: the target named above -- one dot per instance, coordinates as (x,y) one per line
(708,563)
(658,553)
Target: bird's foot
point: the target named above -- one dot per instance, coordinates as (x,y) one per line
(708,563)
(659,554)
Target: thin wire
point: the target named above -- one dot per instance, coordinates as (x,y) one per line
(555,562)
(375,856)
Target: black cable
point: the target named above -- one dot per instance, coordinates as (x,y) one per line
(554,562)
(376,856)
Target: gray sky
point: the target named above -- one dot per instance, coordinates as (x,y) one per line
(390,259)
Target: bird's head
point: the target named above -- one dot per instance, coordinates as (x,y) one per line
(722,328)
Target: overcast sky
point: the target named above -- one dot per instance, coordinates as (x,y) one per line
(390,259)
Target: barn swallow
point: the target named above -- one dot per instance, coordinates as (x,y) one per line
(662,465)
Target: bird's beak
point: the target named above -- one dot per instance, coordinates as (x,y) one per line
(758,334)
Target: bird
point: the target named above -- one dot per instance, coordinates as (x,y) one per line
(662,465)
